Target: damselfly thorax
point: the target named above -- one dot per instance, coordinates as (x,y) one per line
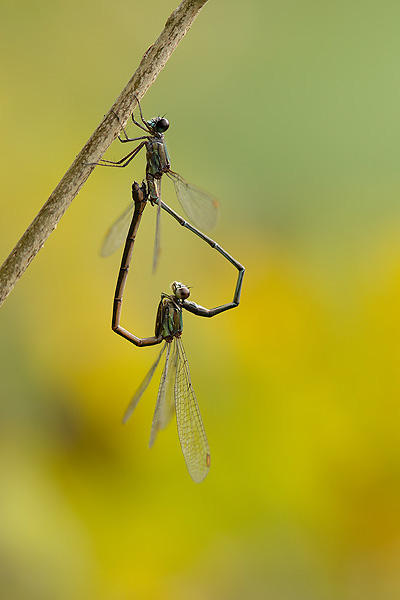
(169,321)
(157,163)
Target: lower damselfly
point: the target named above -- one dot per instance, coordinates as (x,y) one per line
(200,208)
(175,391)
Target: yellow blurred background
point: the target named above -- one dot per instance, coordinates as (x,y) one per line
(289,114)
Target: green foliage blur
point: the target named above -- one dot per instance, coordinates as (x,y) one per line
(288,112)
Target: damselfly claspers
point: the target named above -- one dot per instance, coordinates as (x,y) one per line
(200,207)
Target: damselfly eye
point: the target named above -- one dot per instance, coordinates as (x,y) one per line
(162,125)
(183,293)
(180,290)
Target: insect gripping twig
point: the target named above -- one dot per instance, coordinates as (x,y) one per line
(153,61)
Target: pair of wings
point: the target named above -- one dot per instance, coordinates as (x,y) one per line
(176,394)
(200,208)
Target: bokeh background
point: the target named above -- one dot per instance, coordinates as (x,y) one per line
(289,114)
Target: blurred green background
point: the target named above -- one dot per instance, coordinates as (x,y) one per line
(289,114)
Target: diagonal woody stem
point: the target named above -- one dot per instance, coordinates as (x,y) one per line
(153,61)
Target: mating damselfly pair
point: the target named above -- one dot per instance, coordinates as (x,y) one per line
(175,393)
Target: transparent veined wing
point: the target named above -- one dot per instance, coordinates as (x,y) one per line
(200,207)
(192,435)
(165,405)
(157,238)
(117,233)
(133,403)
(169,399)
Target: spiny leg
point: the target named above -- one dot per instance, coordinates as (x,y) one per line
(141,116)
(127,139)
(119,163)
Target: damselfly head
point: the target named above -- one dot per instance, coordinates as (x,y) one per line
(160,124)
(180,290)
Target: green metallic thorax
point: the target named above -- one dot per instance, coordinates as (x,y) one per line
(169,321)
(158,163)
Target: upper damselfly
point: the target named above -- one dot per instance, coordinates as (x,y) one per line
(200,208)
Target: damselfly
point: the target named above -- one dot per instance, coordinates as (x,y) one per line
(199,206)
(175,392)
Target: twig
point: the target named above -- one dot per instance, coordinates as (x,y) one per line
(153,61)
